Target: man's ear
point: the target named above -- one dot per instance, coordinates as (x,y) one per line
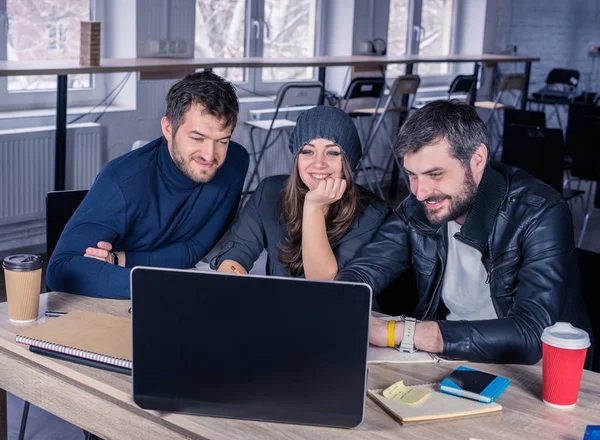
(479,160)
(167,128)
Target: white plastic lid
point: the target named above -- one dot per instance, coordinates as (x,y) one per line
(564,335)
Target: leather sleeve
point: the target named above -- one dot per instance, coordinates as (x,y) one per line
(384,258)
(547,276)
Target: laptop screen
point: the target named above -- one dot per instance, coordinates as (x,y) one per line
(265,348)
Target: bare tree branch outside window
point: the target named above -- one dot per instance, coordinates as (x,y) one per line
(291,25)
(45,30)
(220,33)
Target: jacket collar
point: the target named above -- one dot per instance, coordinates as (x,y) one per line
(482,215)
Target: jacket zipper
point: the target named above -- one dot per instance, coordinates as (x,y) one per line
(439,280)
(489,275)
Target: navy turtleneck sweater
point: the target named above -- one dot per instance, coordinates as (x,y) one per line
(143,205)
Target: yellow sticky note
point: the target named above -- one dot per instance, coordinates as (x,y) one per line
(404,394)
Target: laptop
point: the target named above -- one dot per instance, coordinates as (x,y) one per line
(251,347)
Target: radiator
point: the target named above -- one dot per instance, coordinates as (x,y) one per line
(27,167)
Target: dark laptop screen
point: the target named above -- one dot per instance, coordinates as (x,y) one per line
(250,347)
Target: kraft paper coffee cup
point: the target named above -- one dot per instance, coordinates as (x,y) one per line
(23,277)
(563,355)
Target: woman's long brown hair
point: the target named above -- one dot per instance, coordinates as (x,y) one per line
(338,221)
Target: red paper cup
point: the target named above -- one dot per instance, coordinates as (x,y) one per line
(563,354)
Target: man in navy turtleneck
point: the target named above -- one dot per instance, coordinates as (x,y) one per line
(165,204)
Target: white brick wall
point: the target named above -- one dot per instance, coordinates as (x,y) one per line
(558,31)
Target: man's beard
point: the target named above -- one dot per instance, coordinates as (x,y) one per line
(198,176)
(458,205)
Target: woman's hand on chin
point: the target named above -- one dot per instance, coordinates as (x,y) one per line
(328,191)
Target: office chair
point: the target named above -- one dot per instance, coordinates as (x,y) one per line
(520,117)
(462,85)
(581,144)
(60,207)
(525,146)
(292,94)
(560,88)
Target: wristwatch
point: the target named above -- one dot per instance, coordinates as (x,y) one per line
(408,340)
(115,257)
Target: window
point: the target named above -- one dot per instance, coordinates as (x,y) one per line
(39,30)
(290,31)
(45,30)
(269,28)
(436,27)
(421,27)
(220,29)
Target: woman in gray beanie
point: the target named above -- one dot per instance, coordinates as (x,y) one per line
(314,221)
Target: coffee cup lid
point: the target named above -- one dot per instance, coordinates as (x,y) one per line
(22,262)
(564,335)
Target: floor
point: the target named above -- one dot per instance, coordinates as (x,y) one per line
(42,425)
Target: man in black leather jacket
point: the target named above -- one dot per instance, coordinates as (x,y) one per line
(492,247)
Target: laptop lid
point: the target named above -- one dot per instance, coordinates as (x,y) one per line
(252,347)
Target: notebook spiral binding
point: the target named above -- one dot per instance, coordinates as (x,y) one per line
(75,352)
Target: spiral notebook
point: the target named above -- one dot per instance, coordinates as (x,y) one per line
(94,336)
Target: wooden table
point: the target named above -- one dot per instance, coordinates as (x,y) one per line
(153,65)
(101,402)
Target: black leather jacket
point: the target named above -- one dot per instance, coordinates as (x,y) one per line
(524,232)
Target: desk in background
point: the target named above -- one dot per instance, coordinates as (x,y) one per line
(101,402)
(161,65)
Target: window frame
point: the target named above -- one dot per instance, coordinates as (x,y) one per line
(253,47)
(43,99)
(414,24)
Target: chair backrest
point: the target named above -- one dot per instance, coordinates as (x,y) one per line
(365,87)
(512,81)
(405,85)
(567,77)
(60,206)
(523,117)
(295,94)
(463,84)
(589,264)
(583,130)
(537,150)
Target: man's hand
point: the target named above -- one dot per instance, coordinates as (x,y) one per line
(328,191)
(102,253)
(378,332)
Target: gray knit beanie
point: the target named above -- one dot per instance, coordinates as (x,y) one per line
(329,123)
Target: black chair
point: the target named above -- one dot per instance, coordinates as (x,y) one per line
(524,117)
(463,85)
(582,140)
(525,146)
(560,88)
(588,213)
(521,117)
(589,264)
(60,206)
(583,147)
